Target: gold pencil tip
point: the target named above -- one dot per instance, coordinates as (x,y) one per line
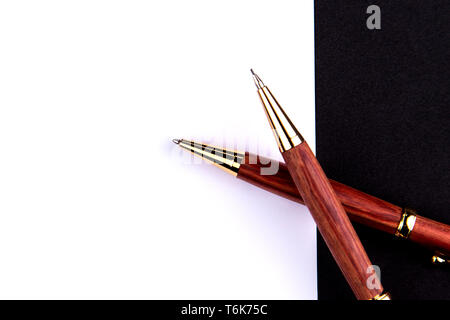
(258,82)
(176,141)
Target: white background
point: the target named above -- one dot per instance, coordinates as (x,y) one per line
(96,201)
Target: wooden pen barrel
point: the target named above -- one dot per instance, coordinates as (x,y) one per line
(331,220)
(432,234)
(360,207)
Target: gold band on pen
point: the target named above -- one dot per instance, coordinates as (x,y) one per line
(406,224)
(382,296)
(439,259)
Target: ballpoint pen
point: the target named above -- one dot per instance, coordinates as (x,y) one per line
(321,200)
(361,207)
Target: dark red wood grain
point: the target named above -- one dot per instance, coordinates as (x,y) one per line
(331,220)
(432,234)
(361,207)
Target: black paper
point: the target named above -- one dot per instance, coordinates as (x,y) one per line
(382,126)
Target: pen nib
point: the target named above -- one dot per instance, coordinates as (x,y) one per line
(176,141)
(258,82)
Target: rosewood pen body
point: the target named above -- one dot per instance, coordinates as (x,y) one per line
(321,200)
(331,220)
(360,207)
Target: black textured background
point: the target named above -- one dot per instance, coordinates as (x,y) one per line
(382,122)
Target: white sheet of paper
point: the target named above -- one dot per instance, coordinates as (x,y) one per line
(95,199)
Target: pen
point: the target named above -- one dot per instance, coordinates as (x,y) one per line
(321,200)
(360,207)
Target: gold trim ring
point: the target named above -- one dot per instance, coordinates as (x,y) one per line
(406,224)
(440,259)
(382,296)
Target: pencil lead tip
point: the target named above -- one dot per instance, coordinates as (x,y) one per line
(176,141)
(253,72)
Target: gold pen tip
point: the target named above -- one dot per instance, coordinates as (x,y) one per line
(258,82)
(176,141)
